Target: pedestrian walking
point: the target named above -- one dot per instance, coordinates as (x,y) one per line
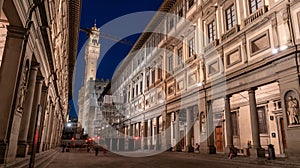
(63,147)
(96,151)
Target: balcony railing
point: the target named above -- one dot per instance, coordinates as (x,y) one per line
(230,32)
(258,13)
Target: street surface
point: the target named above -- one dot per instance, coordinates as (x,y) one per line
(81,159)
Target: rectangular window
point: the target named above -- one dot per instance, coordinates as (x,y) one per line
(179,56)
(147,48)
(137,89)
(148,81)
(125,98)
(159,72)
(230,17)
(254,5)
(153,76)
(180,10)
(211,30)
(141,86)
(170,22)
(170,62)
(191,47)
(132,92)
(262,122)
(191,3)
(128,97)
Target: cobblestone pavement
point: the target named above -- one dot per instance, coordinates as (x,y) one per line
(82,159)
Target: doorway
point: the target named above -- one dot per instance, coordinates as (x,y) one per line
(219,138)
(283,137)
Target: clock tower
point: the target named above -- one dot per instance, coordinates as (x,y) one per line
(92,53)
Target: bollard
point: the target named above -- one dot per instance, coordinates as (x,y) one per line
(271,152)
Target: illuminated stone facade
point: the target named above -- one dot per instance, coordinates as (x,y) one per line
(39,43)
(221,73)
(92,87)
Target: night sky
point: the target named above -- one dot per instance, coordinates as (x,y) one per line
(115,19)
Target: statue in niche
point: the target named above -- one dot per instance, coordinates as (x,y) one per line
(293,110)
(203,122)
(23,88)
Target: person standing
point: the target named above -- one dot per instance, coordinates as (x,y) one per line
(96,150)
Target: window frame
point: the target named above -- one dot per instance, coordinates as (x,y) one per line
(170,63)
(256,3)
(180,10)
(233,18)
(189,5)
(191,46)
(211,31)
(180,55)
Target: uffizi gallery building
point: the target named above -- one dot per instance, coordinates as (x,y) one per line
(220,73)
(38,50)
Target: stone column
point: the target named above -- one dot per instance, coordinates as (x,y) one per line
(10,74)
(45,128)
(130,137)
(149,134)
(256,150)
(44,107)
(157,134)
(34,113)
(210,129)
(145,135)
(168,130)
(140,134)
(50,125)
(22,140)
(57,134)
(188,129)
(125,131)
(53,129)
(228,123)
(177,136)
